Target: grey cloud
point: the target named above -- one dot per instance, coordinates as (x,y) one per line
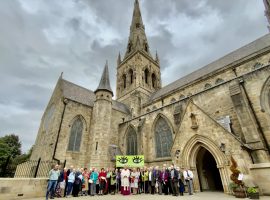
(40,39)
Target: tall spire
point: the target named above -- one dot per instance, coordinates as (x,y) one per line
(104,83)
(137,37)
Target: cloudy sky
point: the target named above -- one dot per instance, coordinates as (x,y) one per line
(39,39)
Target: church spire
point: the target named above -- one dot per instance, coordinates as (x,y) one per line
(104,83)
(137,37)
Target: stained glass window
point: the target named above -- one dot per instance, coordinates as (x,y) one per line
(163,137)
(131,139)
(75,135)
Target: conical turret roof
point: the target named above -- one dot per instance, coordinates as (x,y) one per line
(104,83)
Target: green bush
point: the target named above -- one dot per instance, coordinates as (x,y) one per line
(252,190)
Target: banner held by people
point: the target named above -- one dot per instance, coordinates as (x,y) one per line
(130,161)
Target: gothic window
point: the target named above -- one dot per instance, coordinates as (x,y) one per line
(154,108)
(137,25)
(124,81)
(163,138)
(146,47)
(173,100)
(131,76)
(75,135)
(219,80)
(146,74)
(148,110)
(131,139)
(207,85)
(182,96)
(154,80)
(129,47)
(258,65)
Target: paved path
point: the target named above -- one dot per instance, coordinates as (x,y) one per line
(197,196)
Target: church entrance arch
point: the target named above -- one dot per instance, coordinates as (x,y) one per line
(204,158)
(208,173)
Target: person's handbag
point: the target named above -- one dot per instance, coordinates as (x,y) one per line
(90,181)
(62,185)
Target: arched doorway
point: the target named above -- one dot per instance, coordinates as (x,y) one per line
(208,173)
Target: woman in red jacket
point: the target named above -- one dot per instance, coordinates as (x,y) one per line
(102,181)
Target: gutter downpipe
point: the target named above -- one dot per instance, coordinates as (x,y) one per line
(59,130)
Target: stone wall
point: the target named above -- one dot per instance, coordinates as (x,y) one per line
(260,176)
(22,188)
(49,126)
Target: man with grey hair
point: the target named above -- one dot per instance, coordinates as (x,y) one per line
(188,176)
(53,177)
(174,177)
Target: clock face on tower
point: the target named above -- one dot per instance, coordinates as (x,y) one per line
(48,118)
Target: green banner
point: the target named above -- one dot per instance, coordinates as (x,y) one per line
(130,161)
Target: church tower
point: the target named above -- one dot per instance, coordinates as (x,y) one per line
(138,74)
(101,122)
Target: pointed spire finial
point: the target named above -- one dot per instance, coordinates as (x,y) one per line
(104,83)
(157,58)
(119,59)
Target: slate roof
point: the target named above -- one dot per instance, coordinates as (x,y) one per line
(236,55)
(85,96)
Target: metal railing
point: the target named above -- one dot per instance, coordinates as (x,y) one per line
(29,169)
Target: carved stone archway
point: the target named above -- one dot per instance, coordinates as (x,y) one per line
(189,157)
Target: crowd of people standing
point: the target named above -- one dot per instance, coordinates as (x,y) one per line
(82,182)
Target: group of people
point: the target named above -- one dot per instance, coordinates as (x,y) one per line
(79,182)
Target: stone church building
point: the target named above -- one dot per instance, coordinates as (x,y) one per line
(199,121)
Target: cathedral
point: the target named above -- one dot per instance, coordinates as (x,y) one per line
(199,121)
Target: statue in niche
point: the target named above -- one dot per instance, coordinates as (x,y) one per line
(194,123)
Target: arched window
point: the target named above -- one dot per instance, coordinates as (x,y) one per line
(145,47)
(173,100)
(148,110)
(219,80)
(131,139)
(207,85)
(154,108)
(182,96)
(75,135)
(124,81)
(131,76)
(154,80)
(129,47)
(163,138)
(146,74)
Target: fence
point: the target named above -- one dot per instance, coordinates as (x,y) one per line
(28,169)
(7,168)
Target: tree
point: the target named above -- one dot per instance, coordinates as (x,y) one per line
(13,145)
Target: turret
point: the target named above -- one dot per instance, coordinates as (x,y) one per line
(102,114)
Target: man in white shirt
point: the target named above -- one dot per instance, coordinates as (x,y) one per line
(188,176)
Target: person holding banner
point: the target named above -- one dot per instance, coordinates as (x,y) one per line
(134,180)
(125,174)
(145,180)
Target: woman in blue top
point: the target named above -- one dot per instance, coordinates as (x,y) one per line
(93,181)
